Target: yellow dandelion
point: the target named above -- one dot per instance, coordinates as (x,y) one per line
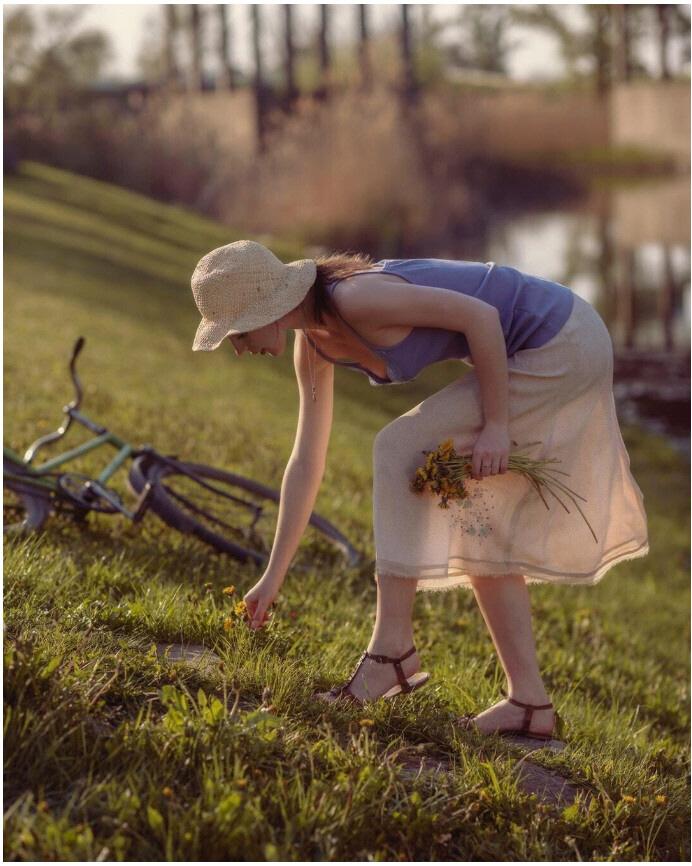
(366,723)
(167,792)
(228,590)
(228,623)
(661,799)
(239,607)
(241,783)
(628,798)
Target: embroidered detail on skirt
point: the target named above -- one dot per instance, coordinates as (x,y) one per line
(560,393)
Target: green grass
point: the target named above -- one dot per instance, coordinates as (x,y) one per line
(111,751)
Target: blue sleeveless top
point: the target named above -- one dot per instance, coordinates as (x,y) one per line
(532,311)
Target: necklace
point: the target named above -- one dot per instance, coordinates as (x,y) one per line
(311,366)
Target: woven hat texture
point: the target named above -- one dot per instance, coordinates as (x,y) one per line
(243,286)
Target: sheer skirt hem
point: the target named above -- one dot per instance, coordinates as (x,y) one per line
(459,571)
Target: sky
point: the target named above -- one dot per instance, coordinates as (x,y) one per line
(537,55)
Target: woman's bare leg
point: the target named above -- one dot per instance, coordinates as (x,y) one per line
(392,636)
(506,608)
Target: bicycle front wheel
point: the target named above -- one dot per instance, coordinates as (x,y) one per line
(24,507)
(235,515)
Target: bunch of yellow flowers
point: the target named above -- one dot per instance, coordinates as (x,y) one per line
(444,473)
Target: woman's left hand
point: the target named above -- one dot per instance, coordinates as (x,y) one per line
(491,451)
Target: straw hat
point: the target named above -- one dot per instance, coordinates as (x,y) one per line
(243,286)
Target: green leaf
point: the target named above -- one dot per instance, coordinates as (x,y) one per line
(155,818)
(48,669)
(571,813)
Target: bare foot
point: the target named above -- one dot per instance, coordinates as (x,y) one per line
(375,678)
(505,716)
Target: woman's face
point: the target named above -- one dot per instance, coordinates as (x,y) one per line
(268,340)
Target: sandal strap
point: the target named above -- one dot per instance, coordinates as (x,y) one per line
(530,706)
(403,682)
(522,704)
(528,710)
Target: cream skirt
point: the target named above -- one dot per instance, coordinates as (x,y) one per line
(560,394)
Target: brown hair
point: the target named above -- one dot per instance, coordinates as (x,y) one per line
(332,267)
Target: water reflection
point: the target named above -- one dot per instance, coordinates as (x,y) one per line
(625,251)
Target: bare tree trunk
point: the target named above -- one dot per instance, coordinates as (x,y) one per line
(259,88)
(289,57)
(623,42)
(226,77)
(364,64)
(196,82)
(602,49)
(663,15)
(170,31)
(409,89)
(323,88)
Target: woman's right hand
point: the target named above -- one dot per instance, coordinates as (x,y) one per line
(259,599)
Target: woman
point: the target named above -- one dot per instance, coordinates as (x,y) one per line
(542,372)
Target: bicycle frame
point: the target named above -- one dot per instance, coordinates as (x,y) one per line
(36,474)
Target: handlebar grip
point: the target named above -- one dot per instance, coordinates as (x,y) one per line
(78,346)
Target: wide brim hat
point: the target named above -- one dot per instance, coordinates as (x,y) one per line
(243,286)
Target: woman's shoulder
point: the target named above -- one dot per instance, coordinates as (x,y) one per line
(348,290)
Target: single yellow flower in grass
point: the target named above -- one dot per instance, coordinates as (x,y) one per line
(628,798)
(228,590)
(239,608)
(228,623)
(366,723)
(445,473)
(241,783)
(167,792)
(661,799)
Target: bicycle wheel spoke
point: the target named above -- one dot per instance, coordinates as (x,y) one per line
(191,505)
(220,511)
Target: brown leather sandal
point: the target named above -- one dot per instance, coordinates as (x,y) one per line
(467,722)
(404,686)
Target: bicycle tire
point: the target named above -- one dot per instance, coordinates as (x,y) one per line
(167,504)
(35,506)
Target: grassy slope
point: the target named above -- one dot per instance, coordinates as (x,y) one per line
(96,755)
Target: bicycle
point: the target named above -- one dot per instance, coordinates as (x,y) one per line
(193,498)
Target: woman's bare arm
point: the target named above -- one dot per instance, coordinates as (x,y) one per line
(305,467)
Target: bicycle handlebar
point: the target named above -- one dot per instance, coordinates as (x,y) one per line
(78,346)
(30,453)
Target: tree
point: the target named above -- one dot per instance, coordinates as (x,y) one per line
(364,64)
(259,85)
(592,42)
(227,74)
(484,42)
(323,52)
(195,22)
(47,63)
(289,58)
(623,42)
(409,90)
(170,33)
